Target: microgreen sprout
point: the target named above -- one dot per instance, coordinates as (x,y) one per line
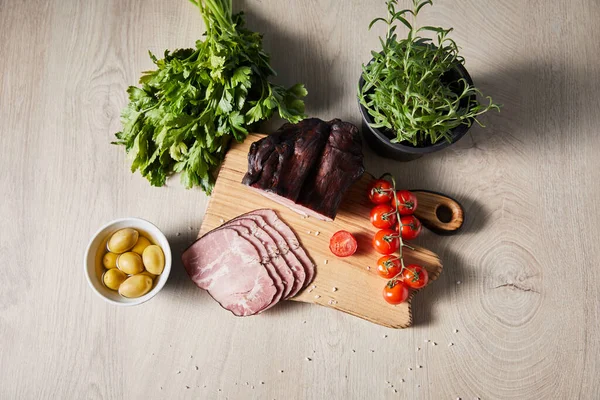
(409,87)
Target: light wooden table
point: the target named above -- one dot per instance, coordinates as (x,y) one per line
(527,309)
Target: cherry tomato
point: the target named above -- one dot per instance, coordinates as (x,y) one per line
(410,227)
(343,244)
(388,266)
(395,292)
(386,241)
(383,216)
(407,202)
(415,276)
(381,192)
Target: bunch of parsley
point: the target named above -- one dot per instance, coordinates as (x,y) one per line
(184,115)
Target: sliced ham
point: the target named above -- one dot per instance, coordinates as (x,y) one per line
(291,239)
(273,254)
(250,263)
(229,267)
(265,261)
(284,253)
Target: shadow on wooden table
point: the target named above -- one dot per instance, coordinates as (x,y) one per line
(542,105)
(424,302)
(297,58)
(543,108)
(455,269)
(179,280)
(476,215)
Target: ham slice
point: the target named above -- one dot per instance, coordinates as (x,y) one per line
(284,253)
(271,251)
(229,267)
(250,263)
(265,261)
(291,239)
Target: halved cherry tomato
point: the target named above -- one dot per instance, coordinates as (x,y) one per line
(415,276)
(343,244)
(407,202)
(388,266)
(395,292)
(410,227)
(386,241)
(383,216)
(381,191)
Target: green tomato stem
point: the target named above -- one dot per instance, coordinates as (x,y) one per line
(398,218)
(399,236)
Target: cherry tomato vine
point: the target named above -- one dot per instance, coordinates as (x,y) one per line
(387,241)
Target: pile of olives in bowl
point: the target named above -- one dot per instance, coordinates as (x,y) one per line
(131,263)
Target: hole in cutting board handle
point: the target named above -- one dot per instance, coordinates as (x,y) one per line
(439,213)
(444,213)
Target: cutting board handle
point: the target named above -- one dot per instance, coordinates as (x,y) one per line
(439,213)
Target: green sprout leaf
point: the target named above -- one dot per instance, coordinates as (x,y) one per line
(408,86)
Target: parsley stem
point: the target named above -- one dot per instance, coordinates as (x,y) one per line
(188,109)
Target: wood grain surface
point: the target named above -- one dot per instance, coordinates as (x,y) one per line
(357,286)
(524,320)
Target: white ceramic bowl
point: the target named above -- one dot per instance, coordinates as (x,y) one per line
(92,263)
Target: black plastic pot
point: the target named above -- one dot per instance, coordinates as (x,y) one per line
(379,139)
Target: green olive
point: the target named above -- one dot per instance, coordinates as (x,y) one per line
(122,240)
(147,274)
(110,260)
(113,278)
(135,286)
(130,263)
(141,244)
(154,259)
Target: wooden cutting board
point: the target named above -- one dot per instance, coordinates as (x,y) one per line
(359,288)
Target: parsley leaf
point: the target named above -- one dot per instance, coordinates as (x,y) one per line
(184,114)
